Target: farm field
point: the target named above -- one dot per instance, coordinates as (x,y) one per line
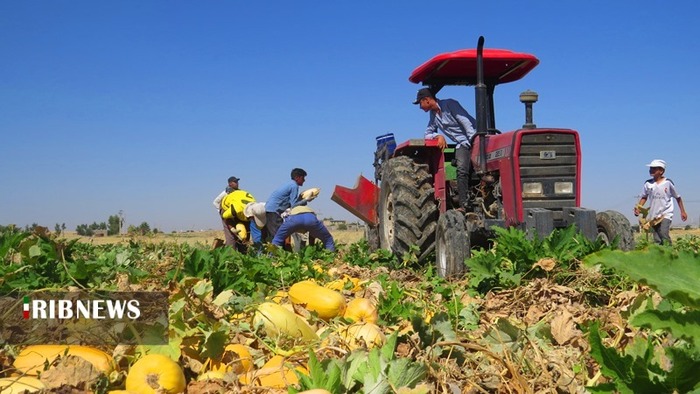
(196,237)
(207,237)
(554,315)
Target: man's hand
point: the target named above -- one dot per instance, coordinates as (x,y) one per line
(442,144)
(640,209)
(684,216)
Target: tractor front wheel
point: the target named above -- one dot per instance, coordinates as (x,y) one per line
(407,209)
(452,244)
(613,224)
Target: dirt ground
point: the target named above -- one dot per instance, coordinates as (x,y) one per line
(199,237)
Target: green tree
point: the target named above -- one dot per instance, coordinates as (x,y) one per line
(114,225)
(57,229)
(144,228)
(84,230)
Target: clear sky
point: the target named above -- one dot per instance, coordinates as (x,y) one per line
(149,106)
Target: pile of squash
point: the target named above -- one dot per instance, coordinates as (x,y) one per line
(351,323)
(326,303)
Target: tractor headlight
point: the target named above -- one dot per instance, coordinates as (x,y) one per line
(563,188)
(532,188)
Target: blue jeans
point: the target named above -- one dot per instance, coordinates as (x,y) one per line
(255,233)
(301,223)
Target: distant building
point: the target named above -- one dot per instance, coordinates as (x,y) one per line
(333,222)
(99,233)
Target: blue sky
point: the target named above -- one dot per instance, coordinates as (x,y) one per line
(148,106)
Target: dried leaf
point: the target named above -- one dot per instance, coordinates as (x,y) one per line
(546,264)
(563,327)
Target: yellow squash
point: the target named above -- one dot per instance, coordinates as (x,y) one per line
(236,358)
(346,282)
(278,320)
(310,194)
(274,374)
(362,335)
(361,310)
(242,232)
(31,359)
(23,384)
(325,302)
(155,373)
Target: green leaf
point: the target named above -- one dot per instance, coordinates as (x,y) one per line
(629,374)
(34,251)
(611,363)
(674,275)
(375,385)
(389,346)
(681,325)
(375,363)
(469,317)
(214,343)
(316,372)
(122,258)
(203,288)
(503,335)
(403,372)
(684,375)
(356,367)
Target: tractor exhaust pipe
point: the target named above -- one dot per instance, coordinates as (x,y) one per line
(481,104)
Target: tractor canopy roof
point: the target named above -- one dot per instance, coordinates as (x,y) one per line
(459,67)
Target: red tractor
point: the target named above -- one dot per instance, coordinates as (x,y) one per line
(528,178)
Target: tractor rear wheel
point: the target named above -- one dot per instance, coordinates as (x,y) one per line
(612,224)
(407,209)
(452,246)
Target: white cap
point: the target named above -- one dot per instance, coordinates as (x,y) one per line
(657,163)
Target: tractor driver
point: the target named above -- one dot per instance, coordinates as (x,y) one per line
(454,121)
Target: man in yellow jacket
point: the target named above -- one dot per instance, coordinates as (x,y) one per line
(233,215)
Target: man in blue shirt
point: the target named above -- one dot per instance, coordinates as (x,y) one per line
(454,121)
(287,196)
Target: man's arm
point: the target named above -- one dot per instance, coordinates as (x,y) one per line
(217,200)
(684,215)
(295,198)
